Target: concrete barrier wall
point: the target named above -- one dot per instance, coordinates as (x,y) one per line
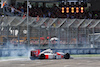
(24,52)
(79,50)
(13,52)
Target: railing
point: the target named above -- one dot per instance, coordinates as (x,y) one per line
(7,11)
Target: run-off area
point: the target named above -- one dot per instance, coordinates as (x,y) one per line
(77,62)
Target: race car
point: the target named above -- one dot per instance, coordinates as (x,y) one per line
(48,54)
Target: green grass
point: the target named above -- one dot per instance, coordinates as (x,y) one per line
(87,55)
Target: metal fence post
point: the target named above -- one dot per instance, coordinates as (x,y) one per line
(28,38)
(68,36)
(85,37)
(18,35)
(58,37)
(77,38)
(49,29)
(88,37)
(7,36)
(93,38)
(39,36)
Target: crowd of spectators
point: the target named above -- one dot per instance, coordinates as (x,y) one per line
(52,12)
(36,42)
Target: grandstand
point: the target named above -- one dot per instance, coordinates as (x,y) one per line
(77,32)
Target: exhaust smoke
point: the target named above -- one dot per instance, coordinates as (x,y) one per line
(10,50)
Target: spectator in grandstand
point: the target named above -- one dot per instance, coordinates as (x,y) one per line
(90,15)
(26,41)
(22,9)
(67,15)
(49,14)
(12,10)
(95,16)
(44,16)
(72,16)
(5,4)
(52,12)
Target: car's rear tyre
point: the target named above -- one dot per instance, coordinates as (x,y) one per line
(32,58)
(67,56)
(42,56)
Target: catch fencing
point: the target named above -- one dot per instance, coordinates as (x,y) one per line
(40,33)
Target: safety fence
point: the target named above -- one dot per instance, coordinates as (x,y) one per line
(51,33)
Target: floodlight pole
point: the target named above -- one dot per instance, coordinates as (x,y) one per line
(28,38)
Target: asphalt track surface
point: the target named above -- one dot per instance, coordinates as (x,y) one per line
(76,62)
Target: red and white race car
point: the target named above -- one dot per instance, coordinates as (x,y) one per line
(48,54)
